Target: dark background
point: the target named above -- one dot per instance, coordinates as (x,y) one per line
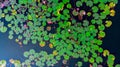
(112,39)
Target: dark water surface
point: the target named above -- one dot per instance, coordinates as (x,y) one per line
(112,39)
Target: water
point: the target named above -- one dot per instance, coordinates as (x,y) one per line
(112,39)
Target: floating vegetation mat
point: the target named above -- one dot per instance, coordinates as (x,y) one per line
(71,28)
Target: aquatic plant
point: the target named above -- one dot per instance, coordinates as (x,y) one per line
(71,30)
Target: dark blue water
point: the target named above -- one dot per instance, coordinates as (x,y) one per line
(112,39)
(10,49)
